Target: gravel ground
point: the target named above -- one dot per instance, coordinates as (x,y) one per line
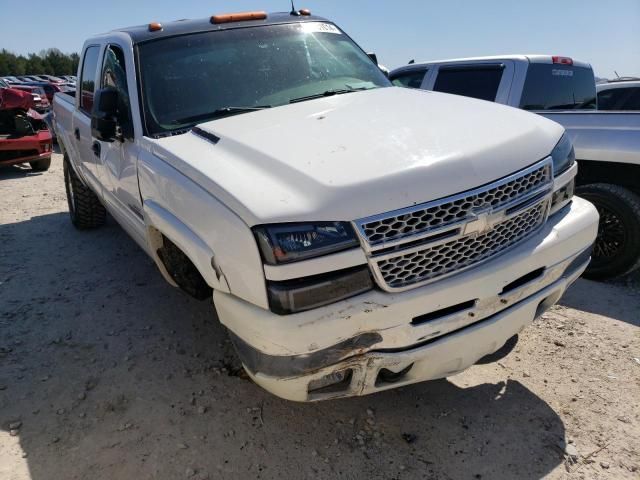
(107,372)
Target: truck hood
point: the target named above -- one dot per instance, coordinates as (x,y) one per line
(350,156)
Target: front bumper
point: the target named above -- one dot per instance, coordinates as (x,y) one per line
(25,149)
(379,340)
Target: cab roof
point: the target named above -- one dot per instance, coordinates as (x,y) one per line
(536,58)
(141,33)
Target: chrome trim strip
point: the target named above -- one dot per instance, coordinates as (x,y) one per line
(410,237)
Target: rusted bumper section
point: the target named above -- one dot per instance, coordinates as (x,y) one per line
(14,150)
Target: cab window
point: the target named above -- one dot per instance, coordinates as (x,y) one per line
(476,81)
(409,79)
(619,99)
(558,87)
(88,78)
(114,75)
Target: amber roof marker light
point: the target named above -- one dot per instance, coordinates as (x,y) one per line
(155,27)
(238,17)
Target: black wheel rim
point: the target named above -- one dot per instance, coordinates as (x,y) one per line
(611,234)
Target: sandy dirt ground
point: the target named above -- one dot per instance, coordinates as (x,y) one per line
(107,372)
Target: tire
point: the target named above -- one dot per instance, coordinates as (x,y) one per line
(85,209)
(502,352)
(616,251)
(41,165)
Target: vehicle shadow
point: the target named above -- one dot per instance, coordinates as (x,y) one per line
(22,170)
(107,372)
(604,298)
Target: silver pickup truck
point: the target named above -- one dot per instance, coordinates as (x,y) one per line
(607,143)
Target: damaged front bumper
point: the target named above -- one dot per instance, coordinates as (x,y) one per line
(377,341)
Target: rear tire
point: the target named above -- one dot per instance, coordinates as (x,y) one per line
(41,165)
(616,249)
(85,209)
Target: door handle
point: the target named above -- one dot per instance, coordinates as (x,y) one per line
(76,132)
(96,149)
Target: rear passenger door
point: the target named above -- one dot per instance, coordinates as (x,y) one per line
(486,80)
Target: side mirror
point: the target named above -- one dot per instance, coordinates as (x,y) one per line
(373,57)
(104,115)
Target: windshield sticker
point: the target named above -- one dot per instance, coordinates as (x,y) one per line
(562,73)
(318,27)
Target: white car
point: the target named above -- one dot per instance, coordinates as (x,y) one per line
(607,143)
(351,243)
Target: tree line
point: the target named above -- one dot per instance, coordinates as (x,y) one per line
(50,62)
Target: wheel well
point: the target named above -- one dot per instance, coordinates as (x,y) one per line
(180,267)
(623,174)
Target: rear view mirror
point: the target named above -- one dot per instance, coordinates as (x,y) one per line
(373,57)
(104,115)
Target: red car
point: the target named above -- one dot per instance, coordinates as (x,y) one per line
(49,88)
(40,100)
(24,136)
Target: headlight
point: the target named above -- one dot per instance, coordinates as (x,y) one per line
(290,242)
(563,155)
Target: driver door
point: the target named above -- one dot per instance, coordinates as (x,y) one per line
(118,166)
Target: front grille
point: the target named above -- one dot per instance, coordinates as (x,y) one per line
(448,257)
(419,244)
(438,215)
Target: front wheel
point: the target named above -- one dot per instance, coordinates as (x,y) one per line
(41,165)
(85,209)
(616,250)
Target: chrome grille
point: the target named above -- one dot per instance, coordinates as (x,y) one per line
(440,214)
(451,256)
(416,245)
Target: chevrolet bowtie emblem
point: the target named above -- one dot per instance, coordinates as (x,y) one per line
(483,222)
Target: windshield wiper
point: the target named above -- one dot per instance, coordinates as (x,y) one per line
(329,93)
(220,112)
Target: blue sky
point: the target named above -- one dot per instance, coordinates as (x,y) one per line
(606,34)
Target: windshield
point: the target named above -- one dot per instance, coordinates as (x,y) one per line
(198,77)
(558,87)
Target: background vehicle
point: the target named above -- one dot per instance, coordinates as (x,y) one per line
(50,89)
(24,136)
(40,101)
(12,80)
(29,78)
(607,144)
(349,246)
(619,95)
(51,78)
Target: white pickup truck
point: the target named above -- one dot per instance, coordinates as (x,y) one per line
(350,243)
(607,143)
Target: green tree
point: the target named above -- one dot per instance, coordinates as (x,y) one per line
(51,62)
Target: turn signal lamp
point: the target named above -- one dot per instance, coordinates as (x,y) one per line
(238,17)
(305,12)
(155,27)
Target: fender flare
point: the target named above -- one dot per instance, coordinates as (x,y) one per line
(160,221)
